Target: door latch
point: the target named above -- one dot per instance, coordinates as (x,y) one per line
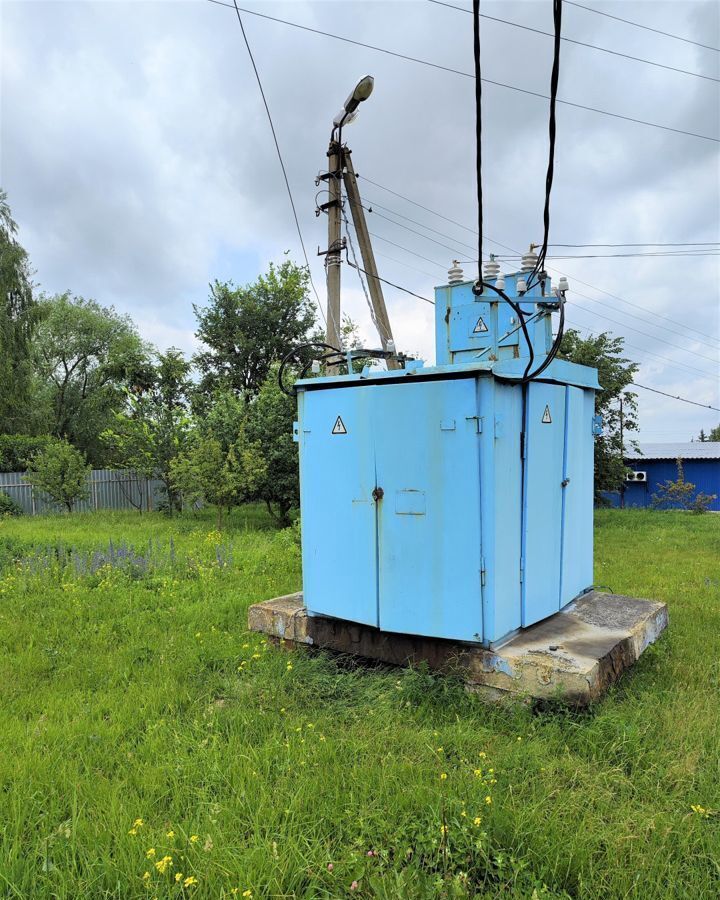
(378,493)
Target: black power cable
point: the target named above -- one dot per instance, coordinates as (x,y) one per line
(552,128)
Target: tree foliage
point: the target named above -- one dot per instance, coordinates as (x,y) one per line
(16,450)
(681,494)
(61,472)
(18,315)
(270,420)
(152,432)
(86,355)
(244,330)
(615,373)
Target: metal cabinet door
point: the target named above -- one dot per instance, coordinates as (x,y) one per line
(542,525)
(577,544)
(428,467)
(337,478)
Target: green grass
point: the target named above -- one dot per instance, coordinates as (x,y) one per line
(132,690)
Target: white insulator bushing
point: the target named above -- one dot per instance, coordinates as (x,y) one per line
(529,258)
(521,286)
(563,285)
(315,368)
(455,273)
(500,282)
(492,267)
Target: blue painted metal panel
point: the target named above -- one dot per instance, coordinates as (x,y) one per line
(542,531)
(429,547)
(501,480)
(577,519)
(337,478)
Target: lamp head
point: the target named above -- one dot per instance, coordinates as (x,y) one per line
(361,92)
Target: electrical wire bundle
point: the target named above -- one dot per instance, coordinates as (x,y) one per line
(537,274)
(332,356)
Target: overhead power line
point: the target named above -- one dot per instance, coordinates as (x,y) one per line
(279,154)
(677,37)
(676,397)
(510,87)
(647,62)
(512,249)
(647,243)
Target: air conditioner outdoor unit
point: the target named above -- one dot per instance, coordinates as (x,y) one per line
(636,476)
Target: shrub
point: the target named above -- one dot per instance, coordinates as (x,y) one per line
(8,506)
(61,471)
(681,494)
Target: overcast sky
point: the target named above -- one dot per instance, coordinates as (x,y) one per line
(139,164)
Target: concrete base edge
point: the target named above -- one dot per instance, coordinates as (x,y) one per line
(573,656)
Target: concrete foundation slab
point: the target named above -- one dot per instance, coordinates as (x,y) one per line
(573,656)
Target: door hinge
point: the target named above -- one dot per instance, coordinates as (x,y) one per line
(482,571)
(522,571)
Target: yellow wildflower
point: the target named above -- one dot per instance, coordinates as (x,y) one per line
(477,820)
(289,668)
(150,853)
(443,776)
(194,838)
(170,834)
(443,830)
(700,810)
(133,831)
(146,876)
(190,881)
(463,813)
(482,754)
(138,823)
(162,865)
(488,799)
(478,773)
(178,876)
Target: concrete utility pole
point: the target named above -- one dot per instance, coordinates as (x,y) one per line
(333,258)
(380,314)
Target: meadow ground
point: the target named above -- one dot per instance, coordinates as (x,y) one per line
(150,747)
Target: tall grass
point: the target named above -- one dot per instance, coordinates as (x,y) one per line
(139,720)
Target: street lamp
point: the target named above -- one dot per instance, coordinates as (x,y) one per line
(349,112)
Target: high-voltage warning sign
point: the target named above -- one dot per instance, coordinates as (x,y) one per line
(547,418)
(480,326)
(339,427)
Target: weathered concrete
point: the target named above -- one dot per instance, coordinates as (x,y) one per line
(573,656)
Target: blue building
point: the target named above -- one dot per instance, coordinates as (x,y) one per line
(653,464)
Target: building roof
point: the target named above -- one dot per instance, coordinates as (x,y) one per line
(691,450)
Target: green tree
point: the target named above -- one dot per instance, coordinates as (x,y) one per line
(18,315)
(714,434)
(152,431)
(270,420)
(207,473)
(681,493)
(245,329)
(86,355)
(61,472)
(614,402)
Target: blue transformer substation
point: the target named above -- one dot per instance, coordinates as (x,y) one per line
(452,501)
